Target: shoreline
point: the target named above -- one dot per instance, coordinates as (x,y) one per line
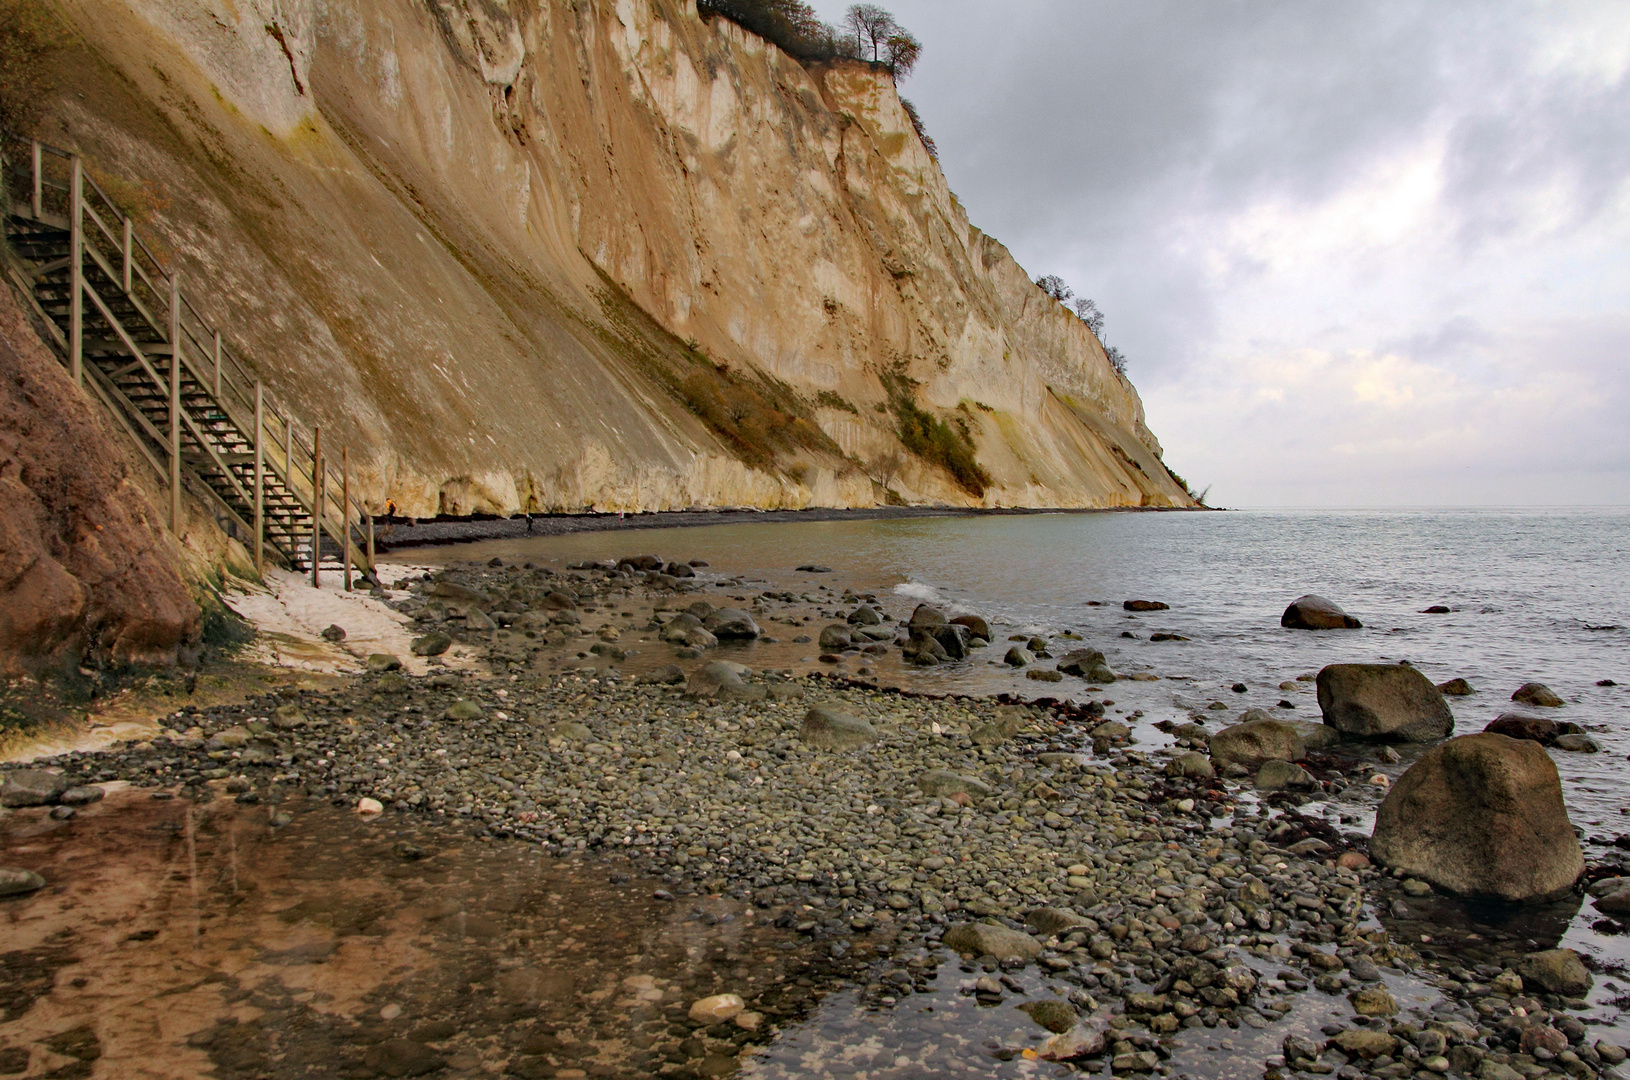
(1067,864)
(395,535)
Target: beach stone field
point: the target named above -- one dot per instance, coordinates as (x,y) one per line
(1113,909)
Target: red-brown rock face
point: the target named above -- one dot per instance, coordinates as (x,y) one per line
(85,569)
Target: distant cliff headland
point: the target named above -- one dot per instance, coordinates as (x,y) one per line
(627,255)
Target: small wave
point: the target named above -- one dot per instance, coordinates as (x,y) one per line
(916,590)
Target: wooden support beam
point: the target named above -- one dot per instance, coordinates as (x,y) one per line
(130,236)
(217,365)
(175,402)
(260,481)
(76,270)
(372,569)
(345,512)
(316,505)
(39,182)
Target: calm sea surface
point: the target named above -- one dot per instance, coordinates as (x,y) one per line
(1535,594)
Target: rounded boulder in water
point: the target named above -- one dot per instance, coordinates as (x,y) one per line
(1392,702)
(1481,815)
(1313,612)
(1535,693)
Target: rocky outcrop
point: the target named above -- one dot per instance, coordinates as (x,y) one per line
(1481,815)
(1313,612)
(86,570)
(1392,702)
(546,256)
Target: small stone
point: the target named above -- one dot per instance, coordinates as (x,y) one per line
(717,1009)
(1352,860)
(1275,775)
(748,1021)
(942,784)
(982,939)
(18,882)
(432,644)
(379,662)
(1364,1043)
(82,796)
(1557,971)
(1456,688)
(1051,1013)
(32,787)
(366,806)
(463,709)
(334,632)
(1373,1001)
(1416,887)
(826,728)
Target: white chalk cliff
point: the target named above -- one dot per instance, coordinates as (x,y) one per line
(546,254)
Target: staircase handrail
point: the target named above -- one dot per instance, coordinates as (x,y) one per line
(214,363)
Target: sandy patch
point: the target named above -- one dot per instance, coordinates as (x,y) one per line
(291,615)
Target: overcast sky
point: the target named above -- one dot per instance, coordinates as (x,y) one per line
(1357,254)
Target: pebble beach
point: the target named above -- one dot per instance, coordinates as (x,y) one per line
(1010,854)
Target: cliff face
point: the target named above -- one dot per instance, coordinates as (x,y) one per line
(542,254)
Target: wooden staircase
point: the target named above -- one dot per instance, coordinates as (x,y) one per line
(131,337)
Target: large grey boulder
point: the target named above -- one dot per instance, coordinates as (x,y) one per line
(984,939)
(732,623)
(927,615)
(835,638)
(32,787)
(1255,741)
(1313,612)
(864,616)
(1393,702)
(1481,815)
(825,728)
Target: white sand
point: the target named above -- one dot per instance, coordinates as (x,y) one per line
(291,616)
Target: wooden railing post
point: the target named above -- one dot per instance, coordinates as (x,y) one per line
(217,366)
(39,182)
(129,253)
(175,402)
(76,269)
(316,504)
(373,570)
(345,512)
(260,481)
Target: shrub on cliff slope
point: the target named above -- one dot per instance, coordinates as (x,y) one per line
(936,441)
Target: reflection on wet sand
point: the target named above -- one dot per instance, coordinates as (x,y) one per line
(179,939)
